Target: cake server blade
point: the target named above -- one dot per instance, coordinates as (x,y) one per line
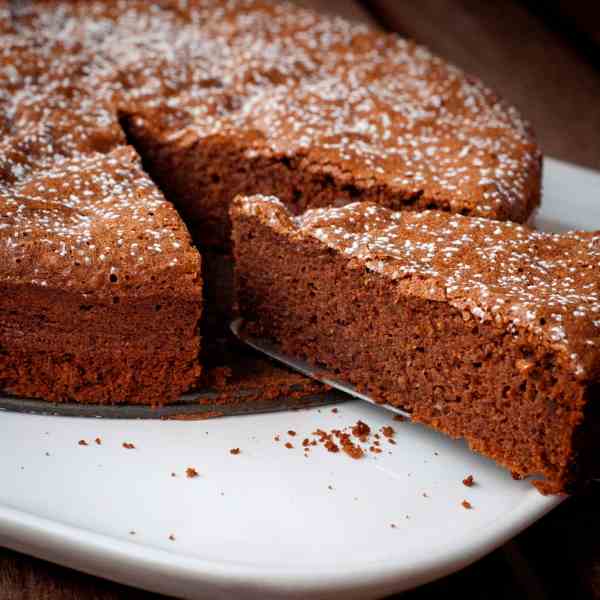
(319,374)
(193,407)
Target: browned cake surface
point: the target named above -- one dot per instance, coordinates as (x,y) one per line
(226,97)
(218,97)
(484,330)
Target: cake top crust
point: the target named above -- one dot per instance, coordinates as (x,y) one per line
(368,107)
(528,281)
(96,225)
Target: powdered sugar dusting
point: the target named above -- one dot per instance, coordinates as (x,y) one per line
(346,98)
(88,223)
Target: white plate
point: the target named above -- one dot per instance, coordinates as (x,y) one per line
(266,523)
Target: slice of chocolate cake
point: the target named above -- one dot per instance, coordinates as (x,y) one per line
(100,294)
(484,330)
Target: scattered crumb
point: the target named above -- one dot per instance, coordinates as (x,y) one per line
(234,451)
(82,443)
(289,445)
(98,441)
(191,472)
(353,450)
(466,504)
(515,476)
(332,446)
(349,439)
(468,481)
(388,431)
(393,441)
(361,431)
(399,418)
(128,446)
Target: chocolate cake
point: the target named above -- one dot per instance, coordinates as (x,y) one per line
(217,98)
(484,330)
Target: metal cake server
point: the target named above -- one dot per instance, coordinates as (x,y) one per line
(201,405)
(271,350)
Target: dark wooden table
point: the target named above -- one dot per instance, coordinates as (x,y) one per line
(545,59)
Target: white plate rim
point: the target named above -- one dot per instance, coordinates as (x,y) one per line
(161,570)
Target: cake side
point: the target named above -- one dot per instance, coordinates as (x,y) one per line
(395,332)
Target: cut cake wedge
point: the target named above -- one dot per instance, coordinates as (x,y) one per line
(483,330)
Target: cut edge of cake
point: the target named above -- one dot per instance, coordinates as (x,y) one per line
(101,288)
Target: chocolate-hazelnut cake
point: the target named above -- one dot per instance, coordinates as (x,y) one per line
(484,330)
(100,285)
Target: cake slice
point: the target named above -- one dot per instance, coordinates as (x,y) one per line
(100,292)
(484,330)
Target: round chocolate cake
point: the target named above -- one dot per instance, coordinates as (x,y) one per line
(127,125)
